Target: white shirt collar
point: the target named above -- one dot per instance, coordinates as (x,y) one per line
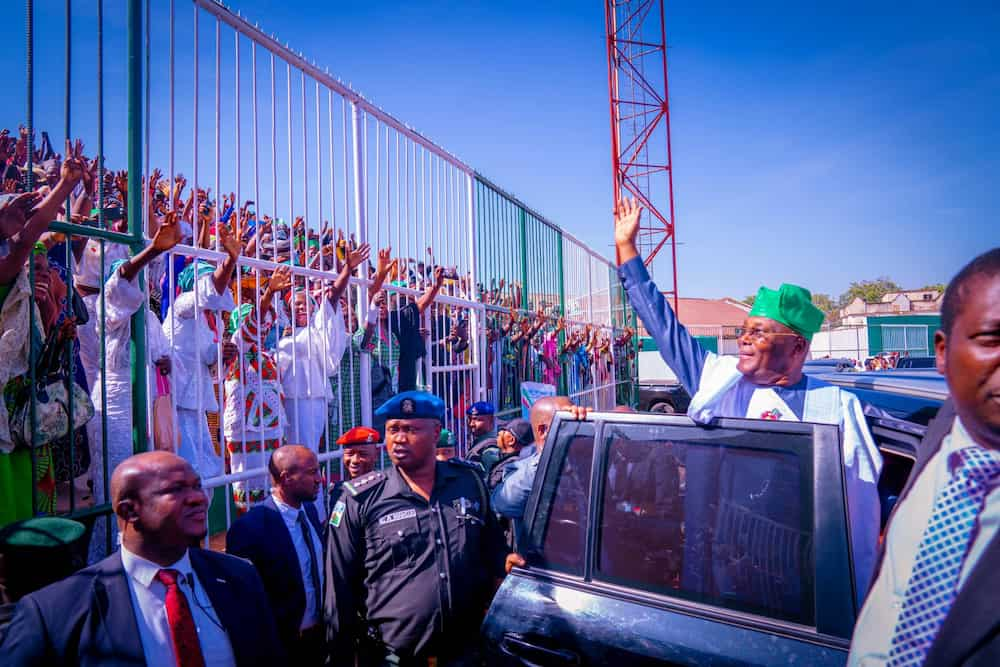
(144,571)
(287,511)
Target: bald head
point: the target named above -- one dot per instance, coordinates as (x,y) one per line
(134,473)
(543,412)
(296,475)
(160,505)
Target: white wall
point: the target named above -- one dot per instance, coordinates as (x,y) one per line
(851,342)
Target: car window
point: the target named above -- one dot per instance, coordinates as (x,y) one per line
(717,516)
(559,532)
(909,408)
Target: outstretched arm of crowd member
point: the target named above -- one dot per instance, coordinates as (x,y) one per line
(280,280)
(224,273)
(167,236)
(427,298)
(355,258)
(385,263)
(13,216)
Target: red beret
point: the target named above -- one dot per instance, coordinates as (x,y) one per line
(359,435)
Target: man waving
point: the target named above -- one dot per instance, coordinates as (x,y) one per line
(765,381)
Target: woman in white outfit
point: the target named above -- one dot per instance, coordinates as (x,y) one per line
(194,327)
(112,392)
(311,355)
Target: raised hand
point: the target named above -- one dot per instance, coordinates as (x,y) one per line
(74,166)
(121,183)
(15,213)
(169,233)
(229,242)
(281,279)
(628,213)
(384,260)
(357,256)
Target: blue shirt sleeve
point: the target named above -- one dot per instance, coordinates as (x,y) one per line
(683,354)
(511,495)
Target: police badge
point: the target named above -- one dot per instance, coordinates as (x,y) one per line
(407,406)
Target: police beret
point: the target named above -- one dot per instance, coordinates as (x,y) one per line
(480,408)
(446,439)
(359,435)
(46,532)
(521,430)
(412,405)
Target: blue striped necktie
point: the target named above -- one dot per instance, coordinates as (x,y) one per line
(952,527)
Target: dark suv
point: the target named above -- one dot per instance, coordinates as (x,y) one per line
(653,540)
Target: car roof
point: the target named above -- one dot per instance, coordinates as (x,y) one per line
(919,382)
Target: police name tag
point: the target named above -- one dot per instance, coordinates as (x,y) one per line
(338,513)
(397,516)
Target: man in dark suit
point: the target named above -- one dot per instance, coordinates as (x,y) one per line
(157,601)
(934,599)
(283,538)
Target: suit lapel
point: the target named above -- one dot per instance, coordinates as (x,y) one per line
(217,585)
(972,618)
(112,602)
(313,515)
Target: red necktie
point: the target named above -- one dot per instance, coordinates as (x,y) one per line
(183,633)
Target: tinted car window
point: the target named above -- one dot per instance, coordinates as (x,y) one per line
(559,532)
(720,517)
(909,408)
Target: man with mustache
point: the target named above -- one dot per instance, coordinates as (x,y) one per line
(413,552)
(764,382)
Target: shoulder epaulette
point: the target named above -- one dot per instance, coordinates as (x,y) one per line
(364,483)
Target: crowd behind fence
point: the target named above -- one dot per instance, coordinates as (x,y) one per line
(319,257)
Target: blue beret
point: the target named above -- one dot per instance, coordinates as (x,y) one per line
(480,408)
(412,405)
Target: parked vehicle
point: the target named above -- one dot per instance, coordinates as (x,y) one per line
(823,365)
(663,396)
(651,539)
(916,362)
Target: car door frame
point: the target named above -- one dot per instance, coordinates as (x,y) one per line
(835,606)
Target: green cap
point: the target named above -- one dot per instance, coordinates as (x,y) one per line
(445,439)
(40,533)
(790,305)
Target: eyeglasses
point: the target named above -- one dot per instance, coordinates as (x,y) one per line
(757,334)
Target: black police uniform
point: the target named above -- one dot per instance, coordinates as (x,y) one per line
(409,579)
(481,443)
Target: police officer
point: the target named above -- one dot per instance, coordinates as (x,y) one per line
(445,446)
(413,552)
(512,439)
(360,452)
(481,422)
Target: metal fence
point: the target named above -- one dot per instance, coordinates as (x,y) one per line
(276,341)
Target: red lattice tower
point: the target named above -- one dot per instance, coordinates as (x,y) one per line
(640,121)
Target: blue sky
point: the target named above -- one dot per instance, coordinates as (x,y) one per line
(811,144)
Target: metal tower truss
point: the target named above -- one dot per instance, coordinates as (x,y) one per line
(640,121)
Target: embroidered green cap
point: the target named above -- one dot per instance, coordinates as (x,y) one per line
(790,305)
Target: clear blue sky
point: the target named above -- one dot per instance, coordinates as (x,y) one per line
(811,144)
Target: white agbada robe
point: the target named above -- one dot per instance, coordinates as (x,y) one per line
(112,397)
(195,350)
(306,362)
(87,273)
(724,392)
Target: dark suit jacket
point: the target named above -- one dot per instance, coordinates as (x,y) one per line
(262,537)
(88,618)
(970,635)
